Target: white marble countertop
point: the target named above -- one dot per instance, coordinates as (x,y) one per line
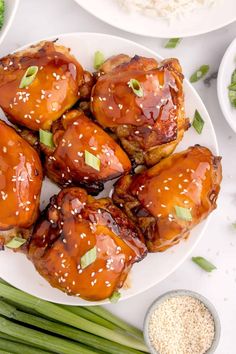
(37,19)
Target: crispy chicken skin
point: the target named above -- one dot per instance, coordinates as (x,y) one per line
(151,126)
(59,83)
(189,179)
(75,223)
(20,185)
(74,137)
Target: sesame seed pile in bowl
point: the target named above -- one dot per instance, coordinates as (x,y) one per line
(182,322)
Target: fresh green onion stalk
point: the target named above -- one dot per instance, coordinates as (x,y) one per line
(60,314)
(204,264)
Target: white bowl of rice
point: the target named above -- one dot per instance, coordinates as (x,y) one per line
(163,18)
(166,9)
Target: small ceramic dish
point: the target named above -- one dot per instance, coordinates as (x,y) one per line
(176,293)
(10,11)
(227,66)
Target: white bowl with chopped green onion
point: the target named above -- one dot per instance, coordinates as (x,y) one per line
(20,272)
(226,85)
(7,13)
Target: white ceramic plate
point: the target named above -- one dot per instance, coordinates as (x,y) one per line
(201,21)
(10,11)
(17,270)
(227,66)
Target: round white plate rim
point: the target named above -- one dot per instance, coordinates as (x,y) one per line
(221,87)
(75,300)
(175,33)
(6,27)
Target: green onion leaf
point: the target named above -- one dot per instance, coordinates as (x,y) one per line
(92,160)
(173,42)
(136,87)
(98,59)
(2,12)
(233,77)
(232,97)
(16,242)
(200,73)
(204,264)
(29,76)
(232,89)
(88,258)
(232,86)
(115,297)
(198,122)
(183,213)
(46,138)
(234,225)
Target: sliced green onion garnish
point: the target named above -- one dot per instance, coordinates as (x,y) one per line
(46,138)
(115,297)
(204,264)
(232,89)
(2,12)
(136,87)
(16,242)
(88,258)
(234,225)
(29,76)
(183,213)
(233,77)
(232,97)
(92,160)
(198,122)
(173,42)
(232,86)
(98,59)
(200,73)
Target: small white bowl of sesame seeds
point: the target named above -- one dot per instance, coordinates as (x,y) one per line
(180,322)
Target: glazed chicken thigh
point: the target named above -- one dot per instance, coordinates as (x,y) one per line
(169,199)
(84,154)
(115,129)
(85,246)
(38,84)
(142,102)
(20,185)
